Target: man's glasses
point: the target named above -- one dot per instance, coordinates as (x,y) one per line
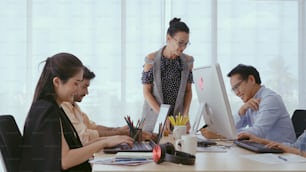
(236,86)
(182,43)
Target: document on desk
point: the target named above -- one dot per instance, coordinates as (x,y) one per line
(125,158)
(276,158)
(121,161)
(212,149)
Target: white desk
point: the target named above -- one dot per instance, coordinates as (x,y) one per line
(231,160)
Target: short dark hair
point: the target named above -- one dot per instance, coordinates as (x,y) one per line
(88,74)
(245,71)
(176,25)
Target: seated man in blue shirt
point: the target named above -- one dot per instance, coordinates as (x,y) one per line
(263,113)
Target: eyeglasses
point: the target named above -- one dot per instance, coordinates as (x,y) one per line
(236,86)
(182,43)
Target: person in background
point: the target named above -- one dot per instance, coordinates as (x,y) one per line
(263,113)
(298,147)
(88,130)
(167,76)
(50,142)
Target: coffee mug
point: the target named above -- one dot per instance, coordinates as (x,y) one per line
(188,144)
(178,131)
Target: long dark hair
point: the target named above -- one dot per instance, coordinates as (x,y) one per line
(62,65)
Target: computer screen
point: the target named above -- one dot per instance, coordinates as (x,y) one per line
(213,101)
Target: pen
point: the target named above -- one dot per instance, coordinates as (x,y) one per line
(282,158)
(142,123)
(130,159)
(204,126)
(128,123)
(136,134)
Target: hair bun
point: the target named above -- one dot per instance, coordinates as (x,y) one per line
(174,20)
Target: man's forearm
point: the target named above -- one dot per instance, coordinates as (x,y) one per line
(110,131)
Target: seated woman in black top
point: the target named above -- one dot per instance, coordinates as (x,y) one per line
(50,142)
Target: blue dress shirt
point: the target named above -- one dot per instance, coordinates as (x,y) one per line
(300,142)
(271,121)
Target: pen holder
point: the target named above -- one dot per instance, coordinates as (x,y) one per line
(136,134)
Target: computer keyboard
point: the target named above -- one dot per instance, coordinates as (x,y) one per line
(256,147)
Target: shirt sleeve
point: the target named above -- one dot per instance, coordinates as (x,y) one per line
(267,116)
(300,143)
(147,77)
(242,121)
(84,127)
(90,124)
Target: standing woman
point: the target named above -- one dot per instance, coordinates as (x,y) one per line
(167,76)
(50,142)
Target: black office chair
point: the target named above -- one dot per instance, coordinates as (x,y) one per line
(299,121)
(10,142)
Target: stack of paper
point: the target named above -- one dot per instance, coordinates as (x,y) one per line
(214,148)
(276,158)
(125,158)
(143,155)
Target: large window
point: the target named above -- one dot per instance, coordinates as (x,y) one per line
(263,34)
(113,37)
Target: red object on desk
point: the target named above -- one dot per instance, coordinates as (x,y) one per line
(156,153)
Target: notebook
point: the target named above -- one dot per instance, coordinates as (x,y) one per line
(145,146)
(256,147)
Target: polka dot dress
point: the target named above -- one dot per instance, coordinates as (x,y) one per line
(170,78)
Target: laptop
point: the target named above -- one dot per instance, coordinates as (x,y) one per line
(145,146)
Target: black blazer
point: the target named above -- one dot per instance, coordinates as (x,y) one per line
(41,150)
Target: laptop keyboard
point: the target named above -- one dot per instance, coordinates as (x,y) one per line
(256,147)
(142,146)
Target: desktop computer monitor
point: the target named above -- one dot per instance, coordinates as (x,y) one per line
(213,101)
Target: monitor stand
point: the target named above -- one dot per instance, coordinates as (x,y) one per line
(197,120)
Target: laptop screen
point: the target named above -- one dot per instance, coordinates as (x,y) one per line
(161,120)
(148,145)
(162,116)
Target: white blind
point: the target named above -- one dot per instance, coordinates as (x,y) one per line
(113,37)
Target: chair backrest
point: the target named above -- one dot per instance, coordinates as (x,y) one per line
(10,142)
(299,121)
